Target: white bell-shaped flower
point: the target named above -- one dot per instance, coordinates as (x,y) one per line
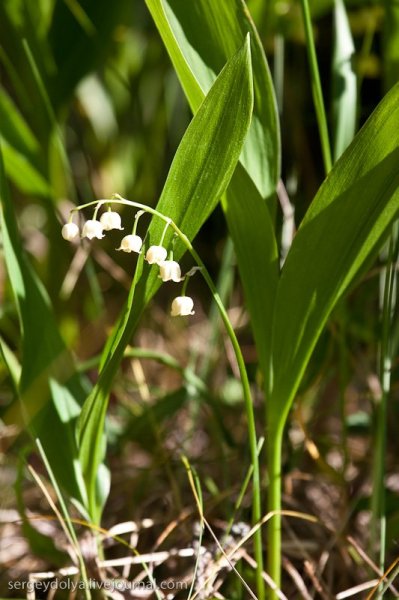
(182,306)
(155,255)
(92,229)
(111,220)
(169,270)
(70,231)
(131,243)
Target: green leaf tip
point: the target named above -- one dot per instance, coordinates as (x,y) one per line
(247,50)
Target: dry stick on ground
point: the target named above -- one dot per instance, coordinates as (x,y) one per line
(266,577)
(310,567)
(296,578)
(318,585)
(357,589)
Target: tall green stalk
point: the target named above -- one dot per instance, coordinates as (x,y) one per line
(388,297)
(274,465)
(275,430)
(316,87)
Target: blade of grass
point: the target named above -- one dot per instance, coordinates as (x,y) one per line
(25,176)
(40,544)
(65,521)
(388,300)
(242,491)
(316,87)
(196,490)
(44,359)
(224,287)
(61,177)
(12,363)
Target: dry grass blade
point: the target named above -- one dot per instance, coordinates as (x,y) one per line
(74,271)
(228,559)
(320,588)
(55,510)
(297,579)
(172,526)
(138,558)
(225,556)
(383,579)
(231,553)
(265,575)
(266,518)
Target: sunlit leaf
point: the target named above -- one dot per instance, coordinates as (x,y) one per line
(200,172)
(344,225)
(198,49)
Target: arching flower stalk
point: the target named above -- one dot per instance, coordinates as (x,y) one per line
(183,304)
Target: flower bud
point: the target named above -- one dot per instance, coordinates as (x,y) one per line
(131,243)
(169,270)
(92,229)
(111,220)
(156,255)
(70,231)
(182,306)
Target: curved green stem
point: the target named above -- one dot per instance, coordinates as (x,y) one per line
(274,448)
(256,506)
(136,221)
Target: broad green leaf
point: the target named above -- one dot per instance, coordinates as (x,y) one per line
(21,150)
(343,227)
(20,169)
(16,29)
(80,36)
(252,231)
(344,81)
(49,390)
(197,49)
(200,172)
(14,129)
